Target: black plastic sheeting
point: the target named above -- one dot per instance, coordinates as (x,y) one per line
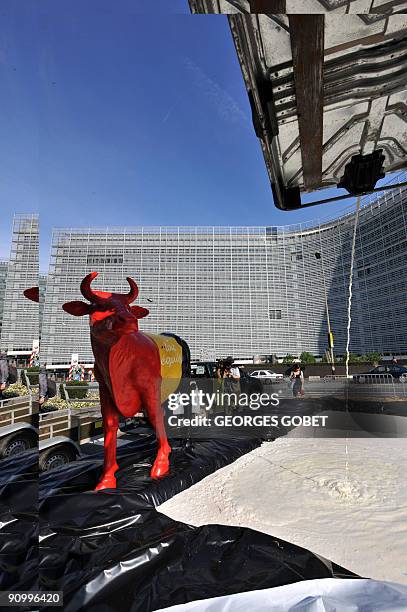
(84,474)
(112,551)
(19,522)
(188,465)
(145,561)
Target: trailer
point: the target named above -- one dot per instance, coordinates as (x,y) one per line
(19,419)
(63,432)
(18,425)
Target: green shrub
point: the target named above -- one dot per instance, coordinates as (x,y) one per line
(77,389)
(373,357)
(306,357)
(56,403)
(354,358)
(79,405)
(288,359)
(60,404)
(15,390)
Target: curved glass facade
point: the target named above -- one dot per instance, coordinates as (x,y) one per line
(243,291)
(19,316)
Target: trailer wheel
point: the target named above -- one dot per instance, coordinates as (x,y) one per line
(16,443)
(55,457)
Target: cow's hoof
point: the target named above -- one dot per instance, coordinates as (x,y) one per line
(160,469)
(106,483)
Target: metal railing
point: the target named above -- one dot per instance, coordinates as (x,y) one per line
(379,385)
(372,387)
(373,379)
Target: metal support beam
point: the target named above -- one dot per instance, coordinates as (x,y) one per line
(348,195)
(307,46)
(268,7)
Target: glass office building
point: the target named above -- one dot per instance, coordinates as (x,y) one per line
(243,291)
(20,324)
(3,280)
(42,286)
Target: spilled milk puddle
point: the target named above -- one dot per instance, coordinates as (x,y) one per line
(346,481)
(351,491)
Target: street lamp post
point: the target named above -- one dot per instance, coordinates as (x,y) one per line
(330,334)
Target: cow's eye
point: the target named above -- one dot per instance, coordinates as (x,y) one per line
(97,309)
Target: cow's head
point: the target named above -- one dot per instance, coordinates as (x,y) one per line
(110,311)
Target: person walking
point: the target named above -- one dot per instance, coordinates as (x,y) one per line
(297,379)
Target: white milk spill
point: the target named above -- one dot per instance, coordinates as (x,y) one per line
(347,505)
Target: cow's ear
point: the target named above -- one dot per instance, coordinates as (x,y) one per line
(33,294)
(77,308)
(139,311)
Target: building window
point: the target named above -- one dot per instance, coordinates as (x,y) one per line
(275,314)
(103,259)
(271,232)
(363,272)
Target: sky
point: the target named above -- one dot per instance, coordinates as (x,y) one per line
(115,114)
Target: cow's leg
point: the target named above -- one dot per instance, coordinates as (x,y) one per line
(110,427)
(161,465)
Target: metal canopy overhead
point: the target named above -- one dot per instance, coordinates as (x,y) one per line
(328,97)
(369,10)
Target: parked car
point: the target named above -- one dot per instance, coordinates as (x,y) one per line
(267,376)
(248,384)
(382,373)
(207,370)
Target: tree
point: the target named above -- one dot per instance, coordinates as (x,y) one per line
(288,359)
(373,357)
(352,358)
(306,357)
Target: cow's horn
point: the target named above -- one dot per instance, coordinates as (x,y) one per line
(87,291)
(133,293)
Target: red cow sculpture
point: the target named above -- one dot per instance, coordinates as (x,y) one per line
(127,367)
